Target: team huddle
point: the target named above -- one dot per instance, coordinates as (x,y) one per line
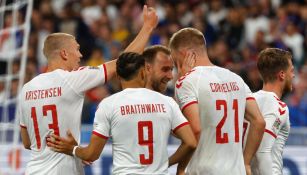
(223,127)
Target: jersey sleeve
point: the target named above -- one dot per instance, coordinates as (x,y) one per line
(185,93)
(86,78)
(21,117)
(177,118)
(102,121)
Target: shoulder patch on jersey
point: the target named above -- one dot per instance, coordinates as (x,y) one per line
(276,124)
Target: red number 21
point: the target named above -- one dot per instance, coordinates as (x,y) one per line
(146,142)
(54,126)
(224,138)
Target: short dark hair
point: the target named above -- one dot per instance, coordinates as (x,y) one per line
(128,65)
(271,61)
(187,37)
(150,52)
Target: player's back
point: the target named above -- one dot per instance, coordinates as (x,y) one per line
(52,103)
(221,97)
(268,159)
(139,121)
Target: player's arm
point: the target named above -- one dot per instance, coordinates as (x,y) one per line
(25,138)
(187,146)
(138,44)
(191,112)
(256,130)
(67,145)
(185,151)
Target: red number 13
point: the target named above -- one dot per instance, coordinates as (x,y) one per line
(54,126)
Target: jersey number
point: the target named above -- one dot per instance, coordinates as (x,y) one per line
(223,138)
(54,125)
(146,141)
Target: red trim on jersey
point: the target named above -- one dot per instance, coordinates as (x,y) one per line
(282,104)
(270,132)
(179,126)
(81,68)
(281,112)
(185,106)
(23,126)
(100,135)
(105,73)
(250,98)
(178,85)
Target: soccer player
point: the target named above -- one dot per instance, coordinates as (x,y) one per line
(214,101)
(277,72)
(158,67)
(139,122)
(52,102)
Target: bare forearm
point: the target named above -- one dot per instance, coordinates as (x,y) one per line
(183,164)
(85,153)
(253,141)
(140,41)
(183,152)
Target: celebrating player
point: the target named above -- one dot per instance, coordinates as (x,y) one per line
(52,102)
(139,122)
(214,101)
(158,67)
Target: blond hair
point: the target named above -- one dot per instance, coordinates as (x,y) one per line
(187,38)
(55,42)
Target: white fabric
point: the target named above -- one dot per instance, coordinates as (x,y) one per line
(215,89)
(268,159)
(60,95)
(121,116)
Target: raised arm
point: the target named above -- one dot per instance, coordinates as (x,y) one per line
(138,44)
(256,130)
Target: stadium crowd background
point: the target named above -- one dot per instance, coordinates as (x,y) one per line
(235,31)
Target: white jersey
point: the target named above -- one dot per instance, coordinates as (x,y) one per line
(221,96)
(139,121)
(52,103)
(268,158)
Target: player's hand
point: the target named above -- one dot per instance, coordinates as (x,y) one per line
(188,63)
(62,145)
(150,17)
(248,169)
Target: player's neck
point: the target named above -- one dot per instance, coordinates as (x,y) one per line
(203,61)
(148,86)
(273,87)
(135,83)
(53,65)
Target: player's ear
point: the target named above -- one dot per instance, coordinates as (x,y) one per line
(281,75)
(64,54)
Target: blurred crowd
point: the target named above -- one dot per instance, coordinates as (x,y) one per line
(235,30)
